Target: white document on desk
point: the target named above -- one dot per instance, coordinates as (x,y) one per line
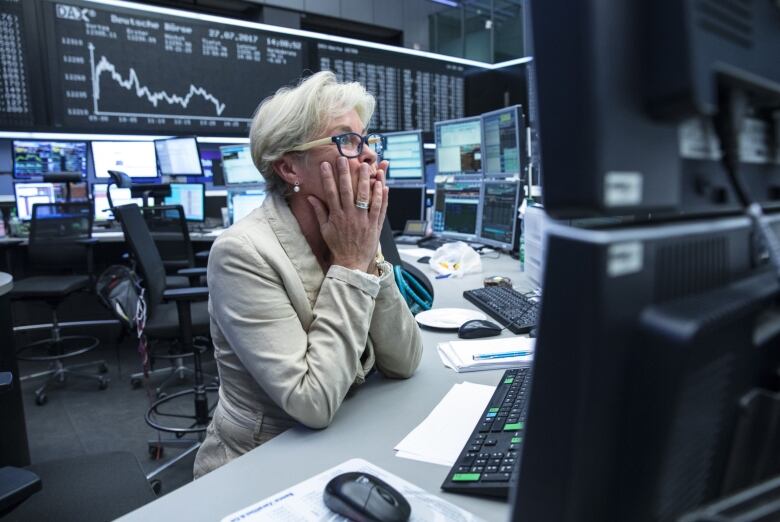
(304,501)
(440,438)
(464,356)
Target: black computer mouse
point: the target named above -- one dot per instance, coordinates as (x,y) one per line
(477,328)
(363,497)
(424,259)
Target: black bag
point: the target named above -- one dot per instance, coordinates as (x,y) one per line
(120,290)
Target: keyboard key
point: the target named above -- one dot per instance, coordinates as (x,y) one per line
(494,462)
(517,440)
(465,477)
(496,477)
(490,442)
(504,469)
(514,426)
(492,469)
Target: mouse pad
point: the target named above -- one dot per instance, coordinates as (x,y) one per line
(304,501)
(447,318)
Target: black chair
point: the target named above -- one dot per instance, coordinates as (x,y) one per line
(61,245)
(173,316)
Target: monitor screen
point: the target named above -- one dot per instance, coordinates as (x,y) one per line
(459,146)
(28,194)
(237,165)
(208,158)
(192,197)
(178,157)
(404,204)
(137,159)
(499,213)
(242,202)
(404,151)
(120,196)
(457,209)
(35,158)
(502,139)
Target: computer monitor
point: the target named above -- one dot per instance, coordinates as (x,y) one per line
(404,204)
(503,137)
(459,146)
(241,202)
(649,344)
(36,158)
(209,158)
(28,194)
(119,196)
(628,96)
(137,159)
(178,156)
(404,151)
(192,197)
(237,166)
(456,210)
(499,213)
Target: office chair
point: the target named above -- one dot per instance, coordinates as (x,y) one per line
(174,316)
(61,242)
(89,488)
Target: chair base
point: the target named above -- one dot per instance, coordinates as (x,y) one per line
(178,371)
(58,372)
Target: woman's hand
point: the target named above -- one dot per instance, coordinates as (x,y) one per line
(351,233)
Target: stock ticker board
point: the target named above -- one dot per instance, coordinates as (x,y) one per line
(129,70)
(16,106)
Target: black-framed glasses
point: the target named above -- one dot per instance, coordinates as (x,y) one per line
(350,144)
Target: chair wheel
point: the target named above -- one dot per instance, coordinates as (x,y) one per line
(102,383)
(135,382)
(156,451)
(156,486)
(40,399)
(161,395)
(103,368)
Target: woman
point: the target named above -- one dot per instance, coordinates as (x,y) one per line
(302,306)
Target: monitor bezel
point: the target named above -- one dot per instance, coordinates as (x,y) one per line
(242,184)
(160,173)
(436,132)
(203,199)
(459,235)
(15,175)
(16,195)
(520,134)
(482,195)
(390,179)
(107,179)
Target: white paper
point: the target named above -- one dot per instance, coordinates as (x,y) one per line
(416,252)
(459,355)
(440,438)
(304,501)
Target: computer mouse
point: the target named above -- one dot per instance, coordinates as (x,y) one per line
(424,259)
(477,328)
(363,497)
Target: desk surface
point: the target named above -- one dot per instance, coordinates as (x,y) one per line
(117,236)
(368,425)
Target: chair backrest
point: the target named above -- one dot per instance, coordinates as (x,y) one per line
(168,225)
(144,251)
(57,231)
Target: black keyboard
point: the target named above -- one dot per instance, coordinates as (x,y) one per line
(507,306)
(432,242)
(487,465)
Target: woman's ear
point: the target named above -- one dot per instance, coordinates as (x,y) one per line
(286,169)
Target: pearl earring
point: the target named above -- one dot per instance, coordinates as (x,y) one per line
(296,188)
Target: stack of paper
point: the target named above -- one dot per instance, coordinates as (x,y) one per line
(440,438)
(491,354)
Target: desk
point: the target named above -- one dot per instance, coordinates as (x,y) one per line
(368,425)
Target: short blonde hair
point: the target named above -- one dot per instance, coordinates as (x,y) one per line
(296,115)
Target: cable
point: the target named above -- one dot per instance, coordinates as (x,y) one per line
(733,104)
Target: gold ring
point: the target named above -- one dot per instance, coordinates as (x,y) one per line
(362,205)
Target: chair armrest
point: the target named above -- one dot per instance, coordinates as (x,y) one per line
(198,293)
(203,254)
(88,241)
(194,271)
(16,485)
(6,381)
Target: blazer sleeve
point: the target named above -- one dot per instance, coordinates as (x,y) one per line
(309,373)
(394,332)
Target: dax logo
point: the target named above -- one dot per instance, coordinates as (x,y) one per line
(70,12)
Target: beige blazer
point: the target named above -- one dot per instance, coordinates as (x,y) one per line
(290,341)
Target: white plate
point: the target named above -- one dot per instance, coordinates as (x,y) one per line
(447,318)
